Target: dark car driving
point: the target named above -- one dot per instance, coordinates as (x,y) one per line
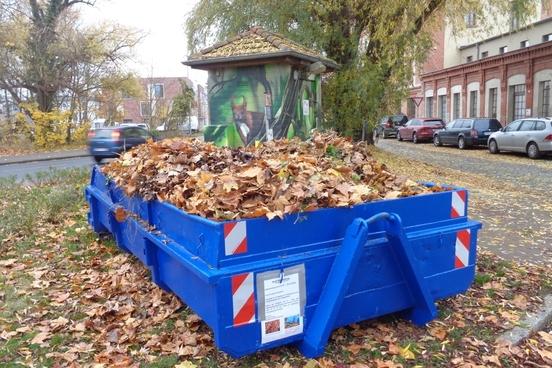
(389,125)
(111,142)
(467,132)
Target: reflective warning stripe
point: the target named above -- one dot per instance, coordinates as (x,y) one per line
(462,249)
(458,208)
(243,299)
(235,238)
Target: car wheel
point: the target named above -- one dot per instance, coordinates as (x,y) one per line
(399,138)
(385,136)
(493,147)
(437,141)
(533,150)
(414,138)
(98,159)
(461,143)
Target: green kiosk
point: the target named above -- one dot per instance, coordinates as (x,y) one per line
(261,86)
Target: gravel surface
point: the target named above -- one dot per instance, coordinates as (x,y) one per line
(509,193)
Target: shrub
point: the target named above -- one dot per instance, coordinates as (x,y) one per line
(48,129)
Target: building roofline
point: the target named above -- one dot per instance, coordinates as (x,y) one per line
(284,47)
(205,63)
(542,21)
(475,65)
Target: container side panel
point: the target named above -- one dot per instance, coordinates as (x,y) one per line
(196,293)
(278,238)
(200,237)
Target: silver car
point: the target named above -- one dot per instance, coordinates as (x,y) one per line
(530,135)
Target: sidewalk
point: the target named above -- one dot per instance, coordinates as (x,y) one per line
(43,156)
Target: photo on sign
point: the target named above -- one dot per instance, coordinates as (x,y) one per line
(292,321)
(272,326)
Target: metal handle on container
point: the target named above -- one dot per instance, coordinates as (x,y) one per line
(340,276)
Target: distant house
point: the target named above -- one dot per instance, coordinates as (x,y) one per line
(156,101)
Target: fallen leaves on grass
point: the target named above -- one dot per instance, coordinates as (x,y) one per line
(85,303)
(273,179)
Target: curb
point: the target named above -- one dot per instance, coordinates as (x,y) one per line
(532,323)
(37,159)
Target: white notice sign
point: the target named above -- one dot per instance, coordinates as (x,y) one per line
(282,308)
(306,107)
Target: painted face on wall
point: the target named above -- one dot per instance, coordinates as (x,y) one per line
(248,123)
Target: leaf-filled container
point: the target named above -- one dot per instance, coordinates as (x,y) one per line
(261,283)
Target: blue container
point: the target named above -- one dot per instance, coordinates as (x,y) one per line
(260,284)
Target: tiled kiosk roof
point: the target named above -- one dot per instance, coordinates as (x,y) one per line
(256,46)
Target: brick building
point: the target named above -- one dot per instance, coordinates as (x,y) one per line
(497,70)
(155,101)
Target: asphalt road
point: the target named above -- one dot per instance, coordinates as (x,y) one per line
(21,170)
(510,194)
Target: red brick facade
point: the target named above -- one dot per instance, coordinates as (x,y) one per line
(490,82)
(171,88)
(521,64)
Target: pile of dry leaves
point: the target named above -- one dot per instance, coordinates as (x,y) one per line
(273,179)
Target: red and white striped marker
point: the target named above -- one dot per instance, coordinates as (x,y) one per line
(243,299)
(235,238)
(462,249)
(458,208)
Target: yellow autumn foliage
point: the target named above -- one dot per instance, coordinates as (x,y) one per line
(50,129)
(80,134)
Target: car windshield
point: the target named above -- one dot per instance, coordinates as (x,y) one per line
(436,123)
(102,133)
(397,118)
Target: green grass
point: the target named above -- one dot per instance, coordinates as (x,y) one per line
(46,197)
(162,362)
(482,278)
(28,211)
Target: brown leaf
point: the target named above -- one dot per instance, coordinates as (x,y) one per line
(251,172)
(120,214)
(438,332)
(353,348)
(547,337)
(40,338)
(545,354)
(394,349)
(520,301)
(8,262)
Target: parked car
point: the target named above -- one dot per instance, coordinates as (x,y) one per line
(190,124)
(530,135)
(111,142)
(139,125)
(387,128)
(420,129)
(466,132)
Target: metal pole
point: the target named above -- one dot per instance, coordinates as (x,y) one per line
(267,117)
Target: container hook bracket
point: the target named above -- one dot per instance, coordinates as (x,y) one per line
(343,269)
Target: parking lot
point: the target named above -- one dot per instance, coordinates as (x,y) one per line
(510,193)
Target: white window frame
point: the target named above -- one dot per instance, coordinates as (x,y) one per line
(471,19)
(152,89)
(142,110)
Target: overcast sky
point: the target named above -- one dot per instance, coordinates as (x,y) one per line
(162,21)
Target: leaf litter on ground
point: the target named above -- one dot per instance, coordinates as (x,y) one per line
(69,298)
(271,179)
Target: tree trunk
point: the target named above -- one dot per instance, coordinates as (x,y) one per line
(45,100)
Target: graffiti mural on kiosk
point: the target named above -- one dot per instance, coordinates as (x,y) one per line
(249,104)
